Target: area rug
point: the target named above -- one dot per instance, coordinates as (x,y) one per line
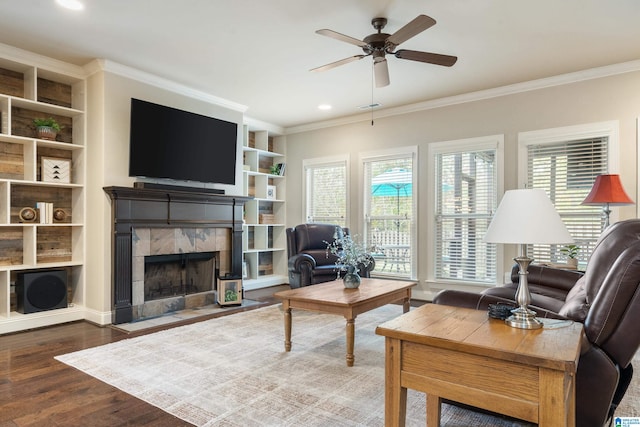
(233,371)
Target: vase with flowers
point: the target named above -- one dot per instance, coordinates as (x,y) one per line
(351,255)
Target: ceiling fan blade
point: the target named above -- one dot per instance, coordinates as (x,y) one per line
(431,58)
(341,37)
(381,72)
(418,25)
(338,63)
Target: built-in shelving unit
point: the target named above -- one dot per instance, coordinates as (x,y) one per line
(264,240)
(29,90)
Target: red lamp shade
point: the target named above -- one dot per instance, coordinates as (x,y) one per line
(607,190)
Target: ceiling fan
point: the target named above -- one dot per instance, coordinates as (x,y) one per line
(380,44)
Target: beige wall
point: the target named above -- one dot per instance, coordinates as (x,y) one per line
(108,159)
(611,98)
(598,100)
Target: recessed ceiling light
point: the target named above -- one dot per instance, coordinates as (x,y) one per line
(71,4)
(324,107)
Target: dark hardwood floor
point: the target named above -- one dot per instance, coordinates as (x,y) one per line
(37,390)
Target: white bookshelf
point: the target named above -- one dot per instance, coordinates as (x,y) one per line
(264,239)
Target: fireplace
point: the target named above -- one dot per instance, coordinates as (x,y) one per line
(176,268)
(178,274)
(164,227)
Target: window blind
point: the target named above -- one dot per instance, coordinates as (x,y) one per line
(566,171)
(466,195)
(326,190)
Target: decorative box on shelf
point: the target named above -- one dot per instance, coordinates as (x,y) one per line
(56,170)
(266,218)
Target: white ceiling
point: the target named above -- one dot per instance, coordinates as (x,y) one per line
(258,52)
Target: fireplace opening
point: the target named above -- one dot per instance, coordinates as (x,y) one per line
(179,274)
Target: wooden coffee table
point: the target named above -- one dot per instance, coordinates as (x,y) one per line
(462,355)
(332,297)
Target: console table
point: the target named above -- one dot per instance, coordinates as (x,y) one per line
(462,355)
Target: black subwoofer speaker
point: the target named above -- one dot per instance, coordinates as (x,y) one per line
(41,290)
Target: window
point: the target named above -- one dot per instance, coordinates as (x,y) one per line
(465,197)
(389,210)
(326,190)
(565,162)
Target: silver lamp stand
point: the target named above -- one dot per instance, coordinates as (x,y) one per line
(522,317)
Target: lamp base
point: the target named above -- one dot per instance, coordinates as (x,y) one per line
(523,318)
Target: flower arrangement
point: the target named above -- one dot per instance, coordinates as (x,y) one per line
(349,252)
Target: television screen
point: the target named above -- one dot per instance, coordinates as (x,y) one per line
(169,143)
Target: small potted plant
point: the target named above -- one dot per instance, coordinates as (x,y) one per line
(47,128)
(351,255)
(571,252)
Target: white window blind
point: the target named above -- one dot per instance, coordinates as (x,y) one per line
(326,192)
(566,171)
(466,197)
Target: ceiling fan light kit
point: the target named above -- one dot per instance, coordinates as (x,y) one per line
(378,45)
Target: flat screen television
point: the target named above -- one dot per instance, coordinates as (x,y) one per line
(174,144)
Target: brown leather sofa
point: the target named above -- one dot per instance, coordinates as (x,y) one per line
(606,299)
(309,260)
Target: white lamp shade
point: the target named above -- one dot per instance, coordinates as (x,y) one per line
(527,217)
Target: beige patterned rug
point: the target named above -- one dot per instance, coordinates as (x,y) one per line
(233,371)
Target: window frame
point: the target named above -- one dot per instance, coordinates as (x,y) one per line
(391,154)
(327,161)
(606,129)
(488,142)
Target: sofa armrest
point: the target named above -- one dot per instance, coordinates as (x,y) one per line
(548,276)
(365,271)
(301,261)
(468,299)
(300,268)
(481,302)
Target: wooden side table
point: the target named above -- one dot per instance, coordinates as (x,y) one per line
(464,356)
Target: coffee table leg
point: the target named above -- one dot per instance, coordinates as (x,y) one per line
(287,326)
(351,332)
(406,305)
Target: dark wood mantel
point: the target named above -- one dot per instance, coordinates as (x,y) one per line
(140,207)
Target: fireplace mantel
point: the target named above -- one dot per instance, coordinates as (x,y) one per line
(140,207)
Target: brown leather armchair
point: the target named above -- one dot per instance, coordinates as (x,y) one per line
(606,299)
(309,260)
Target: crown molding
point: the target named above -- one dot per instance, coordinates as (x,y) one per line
(559,80)
(98,65)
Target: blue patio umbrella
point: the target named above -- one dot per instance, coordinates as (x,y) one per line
(393,182)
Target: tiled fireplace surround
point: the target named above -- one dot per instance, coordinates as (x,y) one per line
(163,221)
(167,241)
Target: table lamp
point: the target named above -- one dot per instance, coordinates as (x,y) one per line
(607,190)
(526,217)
